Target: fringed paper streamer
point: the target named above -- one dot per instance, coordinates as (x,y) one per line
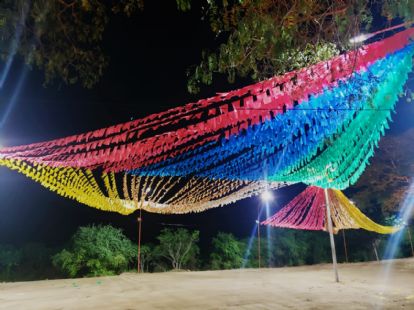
(72,183)
(305,211)
(345,156)
(165,135)
(125,194)
(296,133)
(308,211)
(352,217)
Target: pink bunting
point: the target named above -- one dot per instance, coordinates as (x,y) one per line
(305,211)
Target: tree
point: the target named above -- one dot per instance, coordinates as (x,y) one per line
(387,179)
(10,257)
(36,262)
(256,38)
(286,247)
(263,38)
(227,252)
(179,247)
(94,251)
(61,37)
(36,256)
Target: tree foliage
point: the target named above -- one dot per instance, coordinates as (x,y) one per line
(10,257)
(287,247)
(227,252)
(147,256)
(387,179)
(61,37)
(256,38)
(263,38)
(179,247)
(96,250)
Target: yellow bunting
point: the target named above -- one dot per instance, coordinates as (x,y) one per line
(345,215)
(158,194)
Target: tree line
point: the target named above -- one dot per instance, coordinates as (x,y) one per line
(105,250)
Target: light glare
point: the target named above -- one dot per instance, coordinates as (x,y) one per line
(267,196)
(361,38)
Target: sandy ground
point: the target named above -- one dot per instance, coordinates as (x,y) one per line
(307,287)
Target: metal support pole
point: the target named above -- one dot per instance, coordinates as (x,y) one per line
(139,241)
(375,251)
(258,236)
(411,240)
(345,248)
(140,233)
(331,238)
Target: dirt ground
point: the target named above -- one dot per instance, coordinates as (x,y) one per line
(309,287)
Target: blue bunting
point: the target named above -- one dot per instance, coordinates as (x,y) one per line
(287,141)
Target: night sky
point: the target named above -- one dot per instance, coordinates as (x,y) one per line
(149,56)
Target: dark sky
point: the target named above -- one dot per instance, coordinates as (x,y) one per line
(149,55)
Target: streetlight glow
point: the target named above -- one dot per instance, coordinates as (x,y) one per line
(267,196)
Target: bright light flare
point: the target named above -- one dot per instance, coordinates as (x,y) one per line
(394,241)
(406,211)
(266,196)
(365,36)
(361,38)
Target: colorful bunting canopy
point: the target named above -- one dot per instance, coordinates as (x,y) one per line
(308,211)
(165,135)
(317,125)
(287,145)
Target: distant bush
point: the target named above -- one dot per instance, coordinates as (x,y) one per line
(10,257)
(94,251)
(227,252)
